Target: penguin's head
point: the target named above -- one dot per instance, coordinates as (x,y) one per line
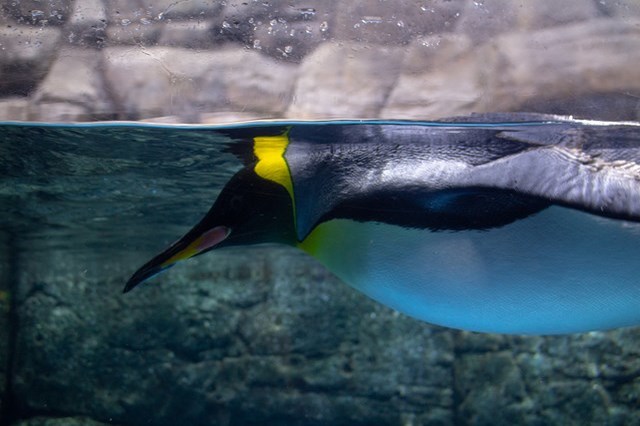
(249,210)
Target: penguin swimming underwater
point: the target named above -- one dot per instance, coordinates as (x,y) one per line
(479,224)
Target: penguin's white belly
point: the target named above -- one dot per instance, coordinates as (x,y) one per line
(559,271)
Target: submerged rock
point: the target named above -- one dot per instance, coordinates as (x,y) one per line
(61,421)
(281,342)
(6,272)
(548,380)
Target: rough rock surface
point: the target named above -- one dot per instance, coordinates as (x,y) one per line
(394,23)
(407,59)
(482,20)
(14,108)
(281,342)
(5,320)
(87,24)
(545,70)
(61,421)
(167,81)
(345,80)
(25,56)
(192,35)
(75,79)
(579,379)
(37,12)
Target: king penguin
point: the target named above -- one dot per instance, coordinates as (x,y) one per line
(525,226)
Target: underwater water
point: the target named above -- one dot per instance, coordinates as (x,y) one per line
(108,184)
(266,334)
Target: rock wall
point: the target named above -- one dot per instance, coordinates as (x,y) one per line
(283,342)
(7,270)
(209,61)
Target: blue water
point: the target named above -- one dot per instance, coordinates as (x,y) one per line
(250,335)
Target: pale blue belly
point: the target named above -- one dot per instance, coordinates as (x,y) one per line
(559,271)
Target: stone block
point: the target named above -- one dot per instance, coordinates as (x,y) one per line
(346,80)
(189,34)
(141,32)
(26,53)
(546,380)
(171,81)
(14,109)
(61,421)
(7,273)
(87,24)
(38,13)
(483,20)
(393,23)
(192,10)
(73,90)
(554,70)
(280,342)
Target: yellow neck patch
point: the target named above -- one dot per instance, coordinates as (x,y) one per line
(270,150)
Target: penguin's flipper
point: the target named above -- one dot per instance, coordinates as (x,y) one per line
(454,209)
(590,168)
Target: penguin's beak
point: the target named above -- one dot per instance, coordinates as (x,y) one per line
(191,244)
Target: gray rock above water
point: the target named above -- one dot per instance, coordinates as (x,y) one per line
(388,59)
(26,53)
(394,23)
(345,80)
(483,20)
(14,108)
(39,13)
(73,80)
(169,81)
(545,70)
(87,24)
